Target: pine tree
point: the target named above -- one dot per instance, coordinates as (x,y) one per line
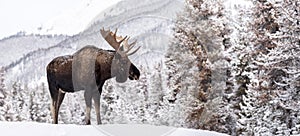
(6,107)
(39,106)
(18,102)
(253,105)
(270,105)
(182,64)
(3,96)
(197,69)
(237,53)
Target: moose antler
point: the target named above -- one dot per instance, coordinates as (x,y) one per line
(130,46)
(116,41)
(112,38)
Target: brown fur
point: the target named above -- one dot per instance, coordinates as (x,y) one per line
(87,70)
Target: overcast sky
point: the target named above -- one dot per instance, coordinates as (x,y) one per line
(18,15)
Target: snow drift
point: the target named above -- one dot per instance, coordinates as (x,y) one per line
(41,129)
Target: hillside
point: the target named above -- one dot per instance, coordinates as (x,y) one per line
(16,47)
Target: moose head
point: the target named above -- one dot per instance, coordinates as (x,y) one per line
(120,64)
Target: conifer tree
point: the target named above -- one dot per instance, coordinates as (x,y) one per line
(270,104)
(3,96)
(197,70)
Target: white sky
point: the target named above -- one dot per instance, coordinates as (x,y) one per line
(18,15)
(27,15)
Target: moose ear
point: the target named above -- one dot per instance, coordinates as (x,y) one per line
(121,48)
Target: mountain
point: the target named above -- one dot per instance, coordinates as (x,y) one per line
(75,18)
(149,22)
(17,47)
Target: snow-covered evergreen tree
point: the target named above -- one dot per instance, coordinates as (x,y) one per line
(138,101)
(182,66)
(18,101)
(3,95)
(237,53)
(197,69)
(39,105)
(271,104)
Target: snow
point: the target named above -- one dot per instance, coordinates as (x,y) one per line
(75,20)
(43,129)
(16,47)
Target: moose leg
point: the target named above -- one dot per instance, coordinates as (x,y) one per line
(96,98)
(60,98)
(54,96)
(88,103)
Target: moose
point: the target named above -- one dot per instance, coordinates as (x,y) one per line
(88,69)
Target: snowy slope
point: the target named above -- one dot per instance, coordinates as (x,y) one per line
(14,48)
(75,20)
(40,129)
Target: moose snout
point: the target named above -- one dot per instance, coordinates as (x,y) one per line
(135,77)
(132,76)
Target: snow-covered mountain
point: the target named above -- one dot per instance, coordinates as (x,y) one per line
(74,20)
(149,22)
(15,48)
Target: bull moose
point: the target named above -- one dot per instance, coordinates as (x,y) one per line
(88,69)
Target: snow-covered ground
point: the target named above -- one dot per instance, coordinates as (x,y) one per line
(42,129)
